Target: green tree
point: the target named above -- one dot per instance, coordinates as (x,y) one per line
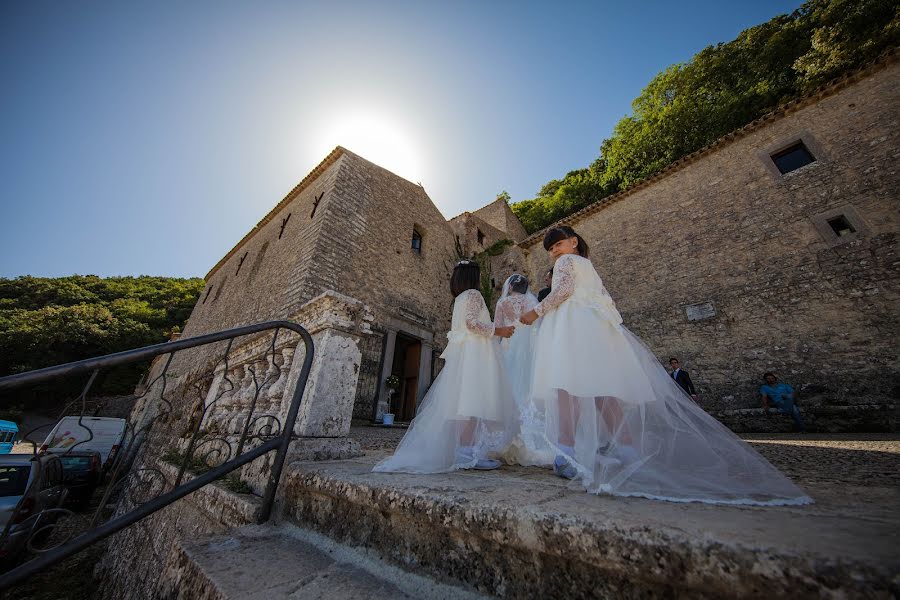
(722,88)
(49,321)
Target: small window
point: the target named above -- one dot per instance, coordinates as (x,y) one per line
(792,158)
(417,242)
(841,226)
(284,222)
(316,201)
(480,238)
(241,263)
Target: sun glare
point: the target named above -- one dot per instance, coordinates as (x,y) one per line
(377,138)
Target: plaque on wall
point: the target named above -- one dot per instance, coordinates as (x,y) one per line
(699,312)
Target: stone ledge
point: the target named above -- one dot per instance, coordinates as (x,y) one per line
(224,506)
(524,533)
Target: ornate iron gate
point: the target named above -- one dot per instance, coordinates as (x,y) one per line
(368,383)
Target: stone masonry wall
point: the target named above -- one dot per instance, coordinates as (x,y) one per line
(466,227)
(370,227)
(500,215)
(727,229)
(273,281)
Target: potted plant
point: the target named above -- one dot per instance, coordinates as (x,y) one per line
(392,384)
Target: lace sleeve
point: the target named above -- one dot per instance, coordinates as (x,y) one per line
(563,285)
(474,306)
(504,314)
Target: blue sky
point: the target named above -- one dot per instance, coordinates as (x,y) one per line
(148,138)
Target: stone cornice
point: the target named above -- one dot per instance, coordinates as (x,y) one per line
(820,93)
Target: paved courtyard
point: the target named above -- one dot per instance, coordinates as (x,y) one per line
(863,459)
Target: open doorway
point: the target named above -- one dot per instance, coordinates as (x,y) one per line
(407,353)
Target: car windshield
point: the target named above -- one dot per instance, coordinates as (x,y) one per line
(14,480)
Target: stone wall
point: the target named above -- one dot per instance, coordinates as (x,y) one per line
(467,227)
(370,226)
(500,215)
(274,278)
(727,238)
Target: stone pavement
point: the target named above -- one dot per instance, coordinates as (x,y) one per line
(521,532)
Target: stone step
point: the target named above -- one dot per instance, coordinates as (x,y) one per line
(264,562)
(523,533)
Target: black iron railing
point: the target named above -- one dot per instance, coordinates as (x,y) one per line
(226,420)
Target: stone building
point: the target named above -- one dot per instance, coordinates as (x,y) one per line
(775,248)
(355,228)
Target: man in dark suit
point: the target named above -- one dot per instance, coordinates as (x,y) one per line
(682,378)
(548,279)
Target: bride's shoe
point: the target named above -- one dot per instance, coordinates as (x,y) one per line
(487,464)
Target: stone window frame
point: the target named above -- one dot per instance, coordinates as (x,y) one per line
(804,137)
(849,212)
(420,232)
(479,236)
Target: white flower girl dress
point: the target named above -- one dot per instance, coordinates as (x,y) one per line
(636,432)
(472,392)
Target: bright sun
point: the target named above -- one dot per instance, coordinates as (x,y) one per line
(377,138)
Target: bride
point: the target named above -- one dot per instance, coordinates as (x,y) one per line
(530,447)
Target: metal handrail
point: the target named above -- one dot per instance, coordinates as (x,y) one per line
(279,443)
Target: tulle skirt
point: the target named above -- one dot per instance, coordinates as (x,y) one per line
(468,414)
(530,447)
(633,430)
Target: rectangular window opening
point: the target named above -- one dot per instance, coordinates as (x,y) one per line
(792,158)
(841,226)
(480,238)
(417,242)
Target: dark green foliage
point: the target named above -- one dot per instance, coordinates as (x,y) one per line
(722,88)
(50,321)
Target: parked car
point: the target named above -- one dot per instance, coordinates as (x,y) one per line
(82,472)
(31,491)
(8,431)
(81,434)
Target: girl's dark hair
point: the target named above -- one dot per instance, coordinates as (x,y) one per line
(564,232)
(766,375)
(518,283)
(466,276)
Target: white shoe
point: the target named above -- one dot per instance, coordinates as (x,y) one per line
(487,464)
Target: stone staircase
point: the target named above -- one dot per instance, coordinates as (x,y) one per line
(345,532)
(263,562)
(523,533)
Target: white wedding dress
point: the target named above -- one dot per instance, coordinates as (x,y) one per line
(471,391)
(530,447)
(637,433)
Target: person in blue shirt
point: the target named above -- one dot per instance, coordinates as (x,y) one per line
(781,397)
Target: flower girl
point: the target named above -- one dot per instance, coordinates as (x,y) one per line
(469,412)
(618,422)
(530,447)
